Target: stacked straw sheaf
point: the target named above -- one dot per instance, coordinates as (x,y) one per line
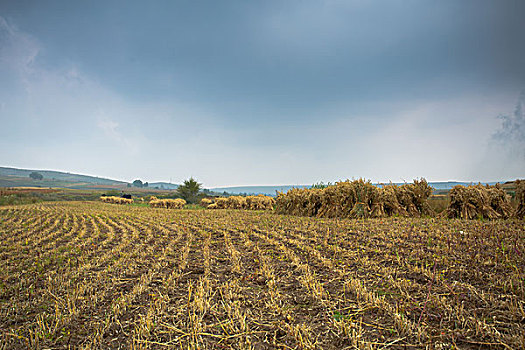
(357,199)
(177,203)
(520,199)
(205,202)
(259,202)
(116,200)
(478,201)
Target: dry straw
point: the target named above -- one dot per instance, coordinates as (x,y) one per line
(259,202)
(520,198)
(478,201)
(357,199)
(116,200)
(236,202)
(205,202)
(177,203)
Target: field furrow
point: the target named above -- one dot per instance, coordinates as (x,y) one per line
(97,275)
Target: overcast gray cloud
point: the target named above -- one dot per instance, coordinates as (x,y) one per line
(511,135)
(238,93)
(504,155)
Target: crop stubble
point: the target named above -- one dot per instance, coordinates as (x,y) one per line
(95,275)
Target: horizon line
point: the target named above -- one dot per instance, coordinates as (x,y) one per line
(258,185)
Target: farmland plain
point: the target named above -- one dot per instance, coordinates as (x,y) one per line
(97,275)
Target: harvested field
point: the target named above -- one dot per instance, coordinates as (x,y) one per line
(96,275)
(7,191)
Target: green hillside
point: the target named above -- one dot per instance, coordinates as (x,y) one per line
(58,176)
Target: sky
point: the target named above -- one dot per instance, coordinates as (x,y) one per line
(264,92)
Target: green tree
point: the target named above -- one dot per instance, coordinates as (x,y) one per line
(189,190)
(138,183)
(36,176)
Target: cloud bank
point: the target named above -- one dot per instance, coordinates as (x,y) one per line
(505,152)
(274,93)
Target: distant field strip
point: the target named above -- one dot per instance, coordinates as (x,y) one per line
(96,275)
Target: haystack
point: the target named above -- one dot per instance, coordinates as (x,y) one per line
(221,203)
(177,203)
(299,201)
(520,199)
(364,195)
(478,201)
(205,202)
(414,197)
(116,200)
(386,204)
(357,199)
(499,201)
(347,199)
(260,202)
(236,202)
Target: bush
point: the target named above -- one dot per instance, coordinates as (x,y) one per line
(36,176)
(189,190)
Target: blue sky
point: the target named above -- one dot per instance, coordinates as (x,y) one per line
(256,93)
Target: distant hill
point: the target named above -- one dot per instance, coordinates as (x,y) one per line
(163,185)
(58,175)
(13,177)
